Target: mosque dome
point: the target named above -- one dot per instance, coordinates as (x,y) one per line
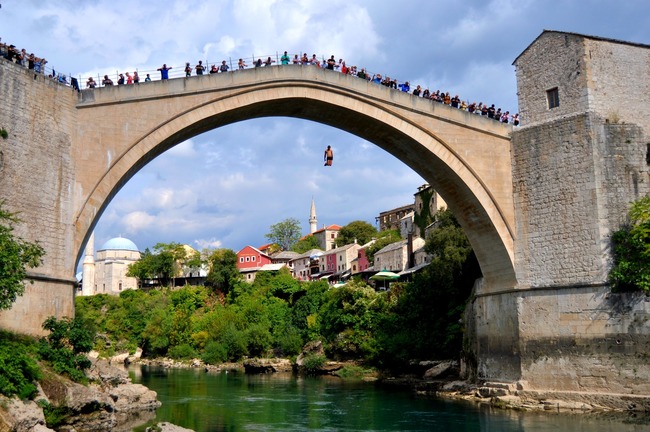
(119,243)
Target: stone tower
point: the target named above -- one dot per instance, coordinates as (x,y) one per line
(88,281)
(313,223)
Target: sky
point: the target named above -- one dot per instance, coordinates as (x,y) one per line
(226,187)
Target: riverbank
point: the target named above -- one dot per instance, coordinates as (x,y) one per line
(441,379)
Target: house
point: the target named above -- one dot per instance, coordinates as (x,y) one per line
(250,260)
(395,256)
(327,236)
(284,257)
(337,263)
(390,219)
(361,262)
(305,266)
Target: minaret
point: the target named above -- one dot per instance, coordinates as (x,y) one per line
(313,223)
(88,281)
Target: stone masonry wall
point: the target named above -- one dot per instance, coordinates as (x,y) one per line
(574,179)
(38,113)
(592,75)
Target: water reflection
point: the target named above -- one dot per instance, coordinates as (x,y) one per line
(283,402)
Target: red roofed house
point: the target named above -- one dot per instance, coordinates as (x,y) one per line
(327,236)
(250,260)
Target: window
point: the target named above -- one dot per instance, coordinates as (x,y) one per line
(553,98)
(253,259)
(120,286)
(241,259)
(248,259)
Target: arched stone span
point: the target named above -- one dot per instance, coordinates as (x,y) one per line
(466,158)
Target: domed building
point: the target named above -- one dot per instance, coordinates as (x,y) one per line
(107,273)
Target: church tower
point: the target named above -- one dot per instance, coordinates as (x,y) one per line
(88,278)
(313,223)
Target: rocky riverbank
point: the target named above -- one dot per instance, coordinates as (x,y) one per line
(109,402)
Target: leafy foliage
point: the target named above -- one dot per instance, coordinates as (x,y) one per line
(223,270)
(66,345)
(631,248)
(360,231)
(285,233)
(18,368)
(305,244)
(16,255)
(426,318)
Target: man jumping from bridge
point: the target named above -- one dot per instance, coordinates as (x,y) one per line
(328,157)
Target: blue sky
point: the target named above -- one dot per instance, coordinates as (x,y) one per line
(226,187)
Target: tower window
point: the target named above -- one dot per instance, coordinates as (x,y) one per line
(553,98)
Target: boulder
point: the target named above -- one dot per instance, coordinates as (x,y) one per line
(133,398)
(24,416)
(119,359)
(311,348)
(441,370)
(167,427)
(271,365)
(135,357)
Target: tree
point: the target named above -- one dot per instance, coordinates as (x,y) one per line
(223,270)
(285,233)
(305,244)
(632,250)
(142,269)
(357,231)
(16,255)
(384,239)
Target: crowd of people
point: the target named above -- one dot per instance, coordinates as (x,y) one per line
(31,62)
(487,110)
(11,53)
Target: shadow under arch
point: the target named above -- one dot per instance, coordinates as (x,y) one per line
(422,150)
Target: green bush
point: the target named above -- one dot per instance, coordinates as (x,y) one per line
(288,341)
(182,352)
(234,341)
(214,353)
(314,363)
(18,369)
(258,338)
(631,250)
(65,347)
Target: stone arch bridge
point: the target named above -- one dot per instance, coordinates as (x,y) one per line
(537,203)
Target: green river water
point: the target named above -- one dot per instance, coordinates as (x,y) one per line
(220,401)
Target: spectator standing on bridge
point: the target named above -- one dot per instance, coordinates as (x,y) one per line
(120,80)
(136,77)
(224,67)
(515,119)
(296,60)
(331,63)
(199,68)
(405,87)
(129,78)
(188,70)
(268,62)
(241,64)
(164,71)
(328,156)
(285,59)
(107,81)
(91,83)
(305,59)
(213,69)
(147,78)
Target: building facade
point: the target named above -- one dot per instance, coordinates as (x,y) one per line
(106,274)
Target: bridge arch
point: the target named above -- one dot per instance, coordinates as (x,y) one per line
(417,135)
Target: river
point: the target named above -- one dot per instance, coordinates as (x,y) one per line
(220,401)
